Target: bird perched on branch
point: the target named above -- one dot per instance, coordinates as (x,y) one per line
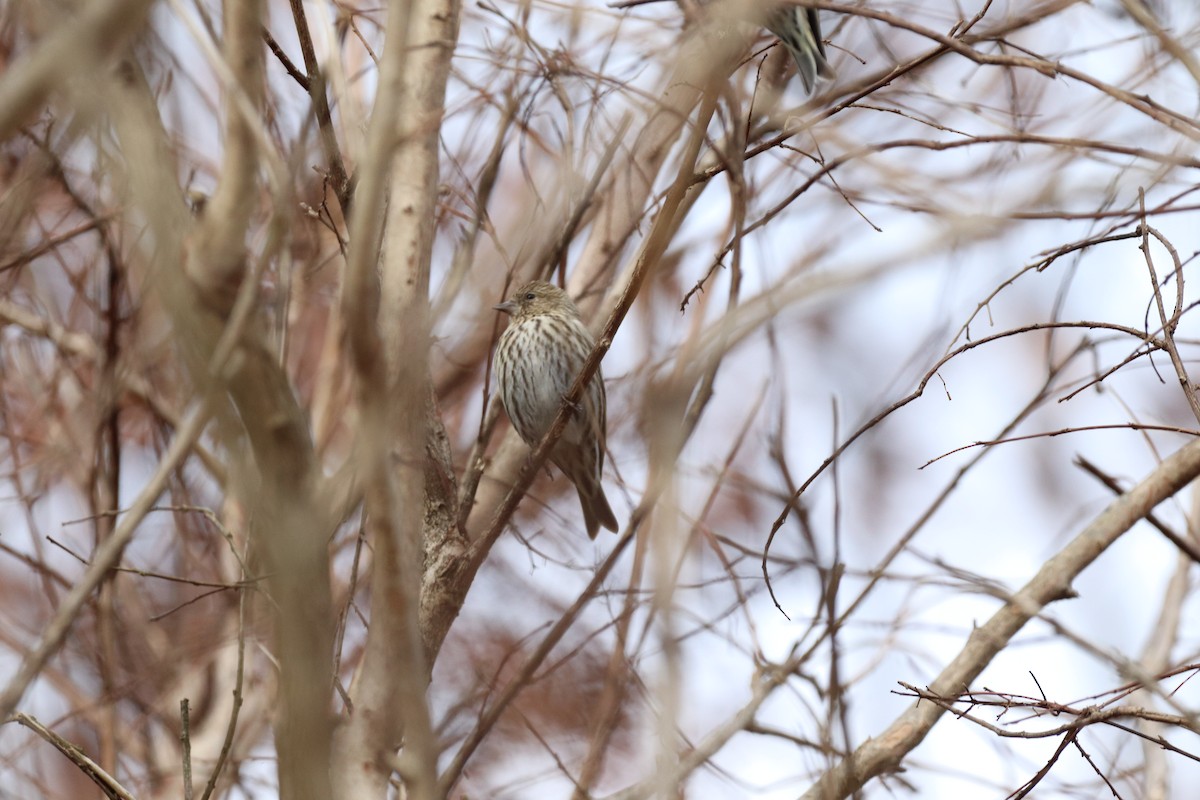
(799,29)
(538,358)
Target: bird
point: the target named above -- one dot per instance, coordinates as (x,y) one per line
(799,29)
(538,357)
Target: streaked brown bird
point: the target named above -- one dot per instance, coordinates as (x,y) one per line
(538,358)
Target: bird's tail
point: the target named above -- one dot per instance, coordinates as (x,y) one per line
(799,29)
(597,512)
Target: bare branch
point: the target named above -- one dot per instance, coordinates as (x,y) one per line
(1052,582)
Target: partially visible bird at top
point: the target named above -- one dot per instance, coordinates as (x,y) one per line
(537,359)
(799,29)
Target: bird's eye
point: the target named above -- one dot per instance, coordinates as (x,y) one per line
(530,295)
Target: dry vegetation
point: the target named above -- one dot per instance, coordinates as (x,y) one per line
(898,378)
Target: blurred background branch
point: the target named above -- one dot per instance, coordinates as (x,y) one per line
(249,251)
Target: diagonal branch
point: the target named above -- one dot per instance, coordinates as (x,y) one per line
(885,752)
(80,45)
(104,559)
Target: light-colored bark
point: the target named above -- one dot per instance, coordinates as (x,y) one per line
(406,475)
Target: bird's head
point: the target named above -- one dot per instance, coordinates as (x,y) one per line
(536,298)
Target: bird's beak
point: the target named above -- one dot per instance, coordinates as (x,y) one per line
(508,307)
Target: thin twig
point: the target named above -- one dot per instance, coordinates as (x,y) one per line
(185,739)
(107,783)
